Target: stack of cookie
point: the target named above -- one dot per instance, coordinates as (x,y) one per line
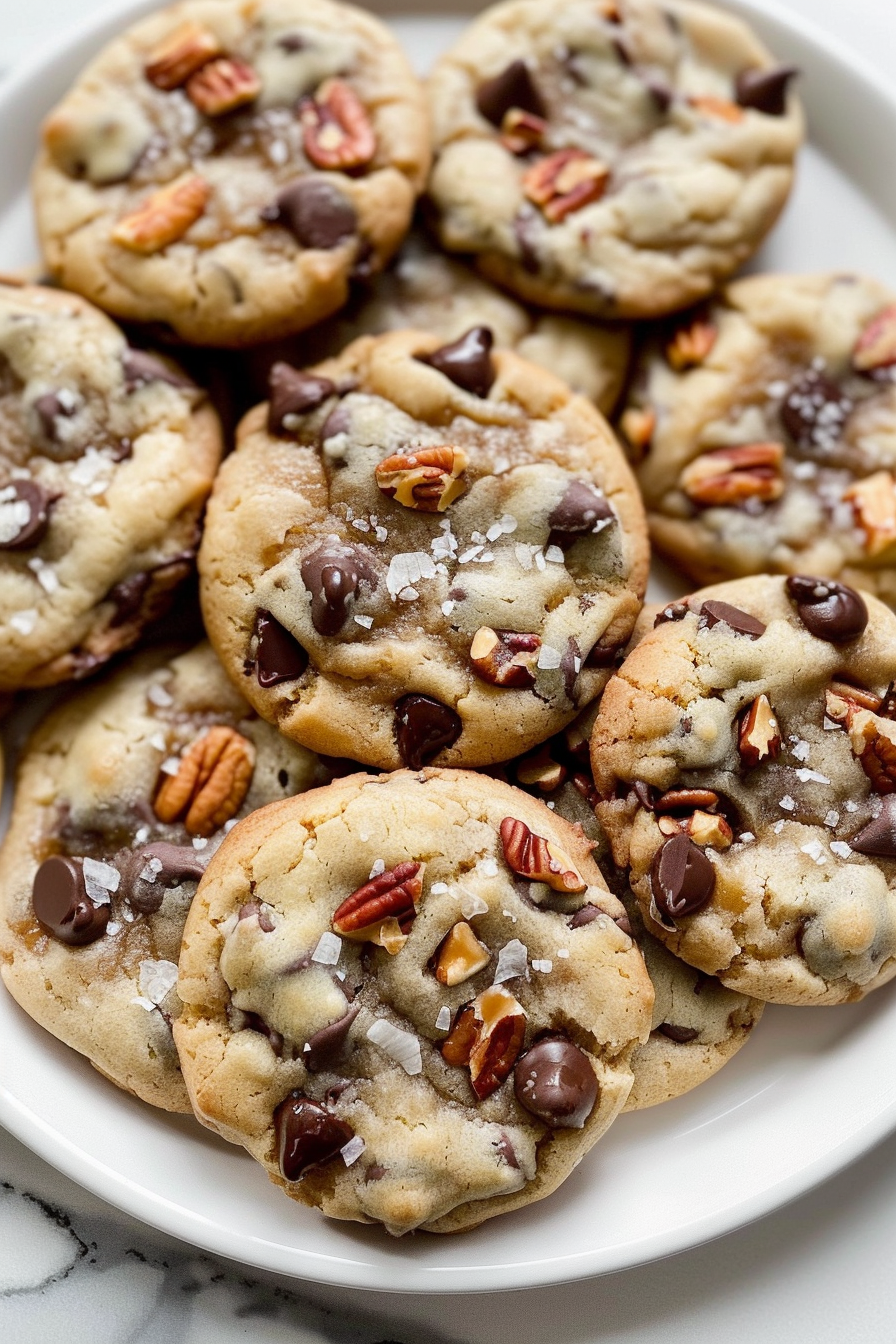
(440,854)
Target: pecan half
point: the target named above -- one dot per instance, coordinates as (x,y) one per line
(521,131)
(460,955)
(382,910)
(758,736)
(684,800)
(428,479)
(565,182)
(726,476)
(222,86)
(876,347)
(532,856)
(638,427)
(691,345)
(487,1035)
(721,108)
(164,216)
(337,132)
(211,782)
(873,502)
(173,60)
(504,658)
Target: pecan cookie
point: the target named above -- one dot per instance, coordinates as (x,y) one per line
(106,457)
(123,795)
(614,157)
(745,758)
(227,167)
(422,552)
(766,426)
(388,1002)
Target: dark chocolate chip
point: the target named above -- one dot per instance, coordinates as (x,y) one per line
(604,655)
(527,228)
(254,910)
(252,1022)
(333,573)
(364,262)
(644,794)
(878,838)
(660,93)
(581,510)
(506,1150)
(180,863)
(337,422)
(141,368)
(62,905)
(621,51)
(681,1035)
(714,613)
(570,666)
(315,212)
(829,610)
(308,1135)
(555,1082)
(681,877)
(291,43)
(423,728)
(513,87)
(374,1172)
(50,407)
(325,1046)
(278,655)
(814,411)
(587,915)
(147,595)
(128,597)
(32,529)
(292,392)
(467,362)
(765,89)
(624,923)
(675,611)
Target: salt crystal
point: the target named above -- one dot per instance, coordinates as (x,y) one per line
(814,850)
(157,979)
(851,806)
(832,818)
(408,568)
(158,741)
(512,961)
(443,1021)
(378,867)
(523,554)
(787,803)
(469,555)
(508,915)
(800,749)
(365,621)
(811,776)
(841,849)
(778,827)
(402,1046)
(158,696)
(438,888)
(478,538)
(539,559)
(99,880)
(361,525)
(171,766)
(381,533)
(494,532)
(485,559)
(199,843)
(408,595)
(548,658)
(488,866)
(545,965)
(745,837)
(113,926)
(24,621)
(562,951)
(142,835)
(473,905)
(328,950)
(447,608)
(352,1150)
(830,724)
(555,555)
(46,577)
(508,523)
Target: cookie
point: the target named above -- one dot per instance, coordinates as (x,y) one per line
(745,758)
(123,794)
(389,1004)
(617,158)
(226,168)
(422,553)
(767,429)
(106,458)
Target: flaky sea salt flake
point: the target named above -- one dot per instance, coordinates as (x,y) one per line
(328,950)
(400,1045)
(512,961)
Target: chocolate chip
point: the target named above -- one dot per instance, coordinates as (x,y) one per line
(291,43)
(307,1134)
(765,89)
(50,407)
(423,728)
(315,212)
(513,87)
(252,1022)
(681,1035)
(333,573)
(887,707)
(644,794)
(581,509)
(587,915)
(278,656)
(829,610)
(675,611)
(714,613)
(62,905)
(254,910)
(570,666)
(624,923)
(466,361)
(147,595)
(527,229)
(814,411)
(878,838)
(180,863)
(556,1083)
(374,1173)
(681,877)
(19,532)
(660,93)
(294,393)
(337,422)
(604,655)
(325,1046)
(506,1150)
(141,368)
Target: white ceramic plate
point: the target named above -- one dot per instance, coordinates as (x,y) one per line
(812,1091)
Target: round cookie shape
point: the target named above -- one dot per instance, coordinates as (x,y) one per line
(227,168)
(745,779)
(619,159)
(764,428)
(107,454)
(123,794)
(446,575)
(449,1045)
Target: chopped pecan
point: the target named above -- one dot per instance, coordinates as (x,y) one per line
(164,216)
(457,1046)
(488,1036)
(758,735)
(872,732)
(521,131)
(540,771)
(460,955)
(211,782)
(691,345)
(428,479)
(383,909)
(873,502)
(337,131)
(727,476)
(706,829)
(722,108)
(173,60)
(638,427)
(222,86)
(532,856)
(504,658)
(876,347)
(564,182)
(842,699)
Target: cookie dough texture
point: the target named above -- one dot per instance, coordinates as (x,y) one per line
(433,1155)
(674,184)
(417,585)
(795,914)
(776,450)
(85,788)
(106,457)
(228,275)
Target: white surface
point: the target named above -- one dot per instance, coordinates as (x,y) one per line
(758,1283)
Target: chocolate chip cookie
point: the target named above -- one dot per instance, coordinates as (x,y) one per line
(613,157)
(745,758)
(422,553)
(123,795)
(226,168)
(389,1002)
(107,454)
(766,429)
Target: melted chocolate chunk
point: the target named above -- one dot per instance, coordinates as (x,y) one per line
(556,1083)
(278,656)
(50,407)
(765,89)
(337,422)
(252,1022)
(814,411)
(141,368)
(581,510)
(293,393)
(308,1135)
(506,1150)
(681,1035)
(374,1172)
(18,532)
(323,1049)
(741,622)
(644,794)
(180,863)
(878,838)
(527,228)
(604,655)
(587,915)
(315,212)
(423,728)
(253,910)
(624,923)
(571,666)
(682,878)
(333,573)
(675,611)
(467,362)
(829,610)
(513,87)
(62,905)
(146,596)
